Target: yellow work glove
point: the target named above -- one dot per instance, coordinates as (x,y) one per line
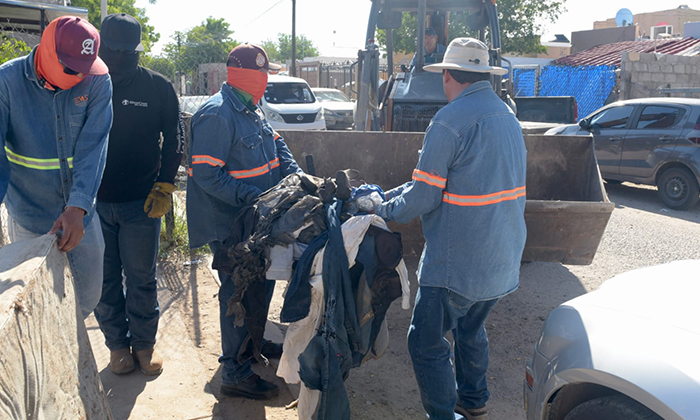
(159,199)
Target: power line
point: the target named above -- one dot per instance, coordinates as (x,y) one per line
(263,13)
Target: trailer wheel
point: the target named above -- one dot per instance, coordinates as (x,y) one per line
(615,407)
(678,188)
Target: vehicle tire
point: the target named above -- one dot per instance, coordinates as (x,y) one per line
(612,181)
(615,407)
(678,188)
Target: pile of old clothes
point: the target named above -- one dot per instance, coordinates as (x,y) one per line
(344,271)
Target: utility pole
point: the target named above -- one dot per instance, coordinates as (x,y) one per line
(103,8)
(293,72)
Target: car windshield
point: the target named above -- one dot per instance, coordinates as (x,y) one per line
(331,96)
(289,93)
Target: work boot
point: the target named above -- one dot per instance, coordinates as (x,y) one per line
(121,361)
(480,413)
(254,388)
(342,181)
(149,361)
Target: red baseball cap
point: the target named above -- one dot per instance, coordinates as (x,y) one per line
(250,56)
(77,44)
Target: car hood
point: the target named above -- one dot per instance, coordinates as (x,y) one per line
(338,106)
(295,108)
(639,334)
(665,294)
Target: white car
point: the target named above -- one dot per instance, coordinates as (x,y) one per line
(629,350)
(289,104)
(338,109)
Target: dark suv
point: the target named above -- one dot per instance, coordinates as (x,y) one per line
(654,141)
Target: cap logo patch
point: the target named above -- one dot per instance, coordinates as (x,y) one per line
(260,60)
(88,47)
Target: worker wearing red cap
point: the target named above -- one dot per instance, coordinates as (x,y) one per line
(55,116)
(235,156)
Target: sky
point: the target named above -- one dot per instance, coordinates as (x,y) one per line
(338,27)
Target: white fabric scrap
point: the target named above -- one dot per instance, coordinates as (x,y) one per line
(300,333)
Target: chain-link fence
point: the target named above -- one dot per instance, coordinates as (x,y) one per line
(525,81)
(590,85)
(15,39)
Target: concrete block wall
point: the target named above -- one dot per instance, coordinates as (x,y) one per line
(641,75)
(48,368)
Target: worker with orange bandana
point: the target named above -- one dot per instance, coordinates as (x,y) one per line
(235,156)
(55,116)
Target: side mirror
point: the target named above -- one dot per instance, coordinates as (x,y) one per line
(584,124)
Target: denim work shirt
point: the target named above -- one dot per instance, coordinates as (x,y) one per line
(53,144)
(469,189)
(235,155)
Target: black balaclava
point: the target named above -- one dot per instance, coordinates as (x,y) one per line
(122,65)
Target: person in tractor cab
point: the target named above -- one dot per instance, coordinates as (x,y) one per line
(433,51)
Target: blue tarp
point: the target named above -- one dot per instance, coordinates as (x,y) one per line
(590,85)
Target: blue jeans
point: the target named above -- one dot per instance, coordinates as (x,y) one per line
(85,262)
(232,337)
(128,311)
(437,311)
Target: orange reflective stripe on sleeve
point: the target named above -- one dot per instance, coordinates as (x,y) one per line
(189,171)
(276,135)
(429,179)
(209,160)
(261,170)
(483,200)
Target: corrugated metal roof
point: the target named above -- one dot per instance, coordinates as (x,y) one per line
(611,54)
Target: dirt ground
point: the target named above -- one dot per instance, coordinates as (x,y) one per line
(640,233)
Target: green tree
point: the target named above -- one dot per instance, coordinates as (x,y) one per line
(521,22)
(161,64)
(12,48)
(148,34)
(209,42)
(305,47)
(271,49)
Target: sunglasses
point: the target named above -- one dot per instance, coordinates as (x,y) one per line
(68,70)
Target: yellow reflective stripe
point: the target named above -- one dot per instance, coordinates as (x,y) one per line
(34,163)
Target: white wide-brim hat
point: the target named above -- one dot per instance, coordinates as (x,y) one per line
(466,54)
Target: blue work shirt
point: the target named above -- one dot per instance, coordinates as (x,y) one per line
(53,144)
(235,155)
(430,58)
(469,190)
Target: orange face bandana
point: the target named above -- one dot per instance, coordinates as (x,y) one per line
(48,68)
(250,81)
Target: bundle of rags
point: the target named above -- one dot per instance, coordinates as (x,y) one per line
(292,211)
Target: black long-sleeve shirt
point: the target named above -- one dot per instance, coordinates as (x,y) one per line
(144,108)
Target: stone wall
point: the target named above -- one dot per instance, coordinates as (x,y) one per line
(642,75)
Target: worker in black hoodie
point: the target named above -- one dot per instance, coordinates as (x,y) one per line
(136,191)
